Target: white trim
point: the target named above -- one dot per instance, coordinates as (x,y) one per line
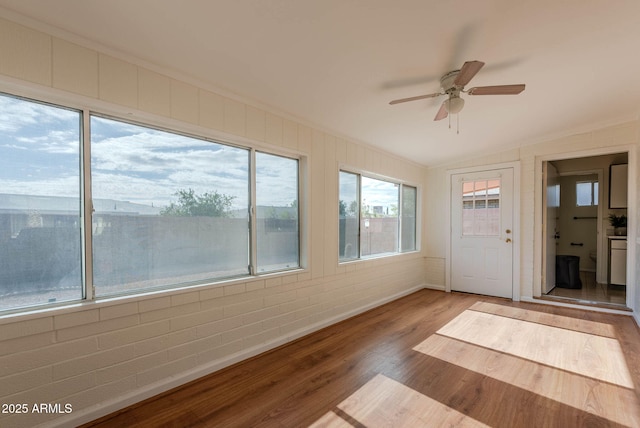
(435,287)
(515,277)
(346,167)
(632,201)
(87,208)
(114,404)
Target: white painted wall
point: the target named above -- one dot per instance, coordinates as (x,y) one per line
(100,356)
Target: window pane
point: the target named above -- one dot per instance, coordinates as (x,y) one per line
(348,211)
(584,194)
(40,223)
(595,193)
(481,208)
(277,212)
(168,209)
(379,228)
(408,233)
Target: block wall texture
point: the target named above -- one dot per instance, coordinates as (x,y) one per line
(97,356)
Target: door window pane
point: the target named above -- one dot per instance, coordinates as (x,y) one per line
(481,208)
(277,223)
(168,209)
(40,222)
(348,216)
(379,226)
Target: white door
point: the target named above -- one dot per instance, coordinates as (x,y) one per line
(549,225)
(482,232)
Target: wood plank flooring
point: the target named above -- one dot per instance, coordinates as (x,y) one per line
(428,359)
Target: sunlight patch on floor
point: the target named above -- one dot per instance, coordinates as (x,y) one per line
(331,420)
(581,353)
(602,399)
(384,402)
(569,323)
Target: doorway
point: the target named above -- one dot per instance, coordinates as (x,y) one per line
(482,232)
(576,261)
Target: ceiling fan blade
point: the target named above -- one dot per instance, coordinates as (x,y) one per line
(442,113)
(468,70)
(419,97)
(497,90)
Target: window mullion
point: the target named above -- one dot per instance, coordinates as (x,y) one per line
(253,234)
(87,206)
(359,216)
(400,200)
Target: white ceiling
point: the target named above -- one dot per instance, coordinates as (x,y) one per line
(338,63)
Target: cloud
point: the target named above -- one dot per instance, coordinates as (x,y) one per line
(40,146)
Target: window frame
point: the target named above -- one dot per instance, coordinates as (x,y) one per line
(401,185)
(88,108)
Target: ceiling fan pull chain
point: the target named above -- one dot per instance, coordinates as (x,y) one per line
(458,123)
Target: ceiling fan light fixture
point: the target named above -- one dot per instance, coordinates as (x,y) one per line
(454,104)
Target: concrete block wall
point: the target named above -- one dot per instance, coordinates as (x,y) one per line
(100,356)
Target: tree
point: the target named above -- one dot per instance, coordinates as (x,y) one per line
(342,208)
(206,205)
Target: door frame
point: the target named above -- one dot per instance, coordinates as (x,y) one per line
(539,239)
(515,274)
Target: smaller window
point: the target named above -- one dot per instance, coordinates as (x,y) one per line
(586,193)
(376,217)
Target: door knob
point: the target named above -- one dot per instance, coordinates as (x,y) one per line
(508,240)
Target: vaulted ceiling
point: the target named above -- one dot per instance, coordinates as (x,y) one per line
(337,63)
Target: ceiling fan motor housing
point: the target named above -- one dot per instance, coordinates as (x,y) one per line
(447,82)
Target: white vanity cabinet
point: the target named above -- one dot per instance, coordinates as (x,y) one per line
(617,261)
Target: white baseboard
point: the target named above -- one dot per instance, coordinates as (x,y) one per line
(109,406)
(435,287)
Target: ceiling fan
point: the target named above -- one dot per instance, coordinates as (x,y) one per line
(453,83)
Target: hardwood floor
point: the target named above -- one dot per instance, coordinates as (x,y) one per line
(428,359)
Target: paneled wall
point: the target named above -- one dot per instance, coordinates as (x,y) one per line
(99,356)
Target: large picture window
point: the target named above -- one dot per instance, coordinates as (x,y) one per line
(40,206)
(164,210)
(376,217)
(168,209)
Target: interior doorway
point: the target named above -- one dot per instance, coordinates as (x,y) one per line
(579,238)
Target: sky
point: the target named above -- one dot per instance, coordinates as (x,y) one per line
(39,155)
